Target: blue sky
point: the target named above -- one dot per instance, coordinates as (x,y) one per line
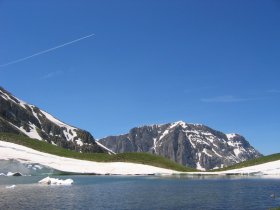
(211,62)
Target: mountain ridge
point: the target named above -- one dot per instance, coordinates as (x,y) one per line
(192,145)
(19,117)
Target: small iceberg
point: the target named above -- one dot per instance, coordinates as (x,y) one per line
(54,181)
(11,187)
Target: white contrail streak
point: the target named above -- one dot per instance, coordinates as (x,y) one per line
(45,51)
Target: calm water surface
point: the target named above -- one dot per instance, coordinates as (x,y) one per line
(118,192)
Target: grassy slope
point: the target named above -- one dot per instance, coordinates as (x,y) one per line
(257,161)
(143,158)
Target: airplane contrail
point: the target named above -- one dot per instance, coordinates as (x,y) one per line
(44,51)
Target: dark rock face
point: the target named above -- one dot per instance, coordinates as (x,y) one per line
(19,117)
(192,145)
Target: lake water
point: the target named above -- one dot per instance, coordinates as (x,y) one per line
(147,192)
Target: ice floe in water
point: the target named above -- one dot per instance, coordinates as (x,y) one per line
(54,181)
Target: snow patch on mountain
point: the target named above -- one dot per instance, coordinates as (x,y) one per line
(231,135)
(110,151)
(216,153)
(69,131)
(206,153)
(198,165)
(163,135)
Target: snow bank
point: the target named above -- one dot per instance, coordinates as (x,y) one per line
(271,168)
(27,155)
(53,181)
(268,169)
(10,187)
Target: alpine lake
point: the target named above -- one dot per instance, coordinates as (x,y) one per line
(141,192)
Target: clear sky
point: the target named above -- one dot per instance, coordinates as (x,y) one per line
(150,61)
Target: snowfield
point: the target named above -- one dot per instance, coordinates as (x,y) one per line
(27,155)
(270,169)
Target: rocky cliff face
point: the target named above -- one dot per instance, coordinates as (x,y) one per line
(17,116)
(192,145)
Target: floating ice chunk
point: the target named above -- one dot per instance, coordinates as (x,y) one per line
(54,181)
(10,187)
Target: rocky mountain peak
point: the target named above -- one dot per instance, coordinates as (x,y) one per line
(193,145)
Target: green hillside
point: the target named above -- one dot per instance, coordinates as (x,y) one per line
(257,161)
(142,158)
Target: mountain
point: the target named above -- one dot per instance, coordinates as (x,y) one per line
(192,145)
(19,117)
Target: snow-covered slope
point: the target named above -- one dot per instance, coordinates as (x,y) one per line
(270,168)
(10,151)
(17,116)
(27,155)
(192,145)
